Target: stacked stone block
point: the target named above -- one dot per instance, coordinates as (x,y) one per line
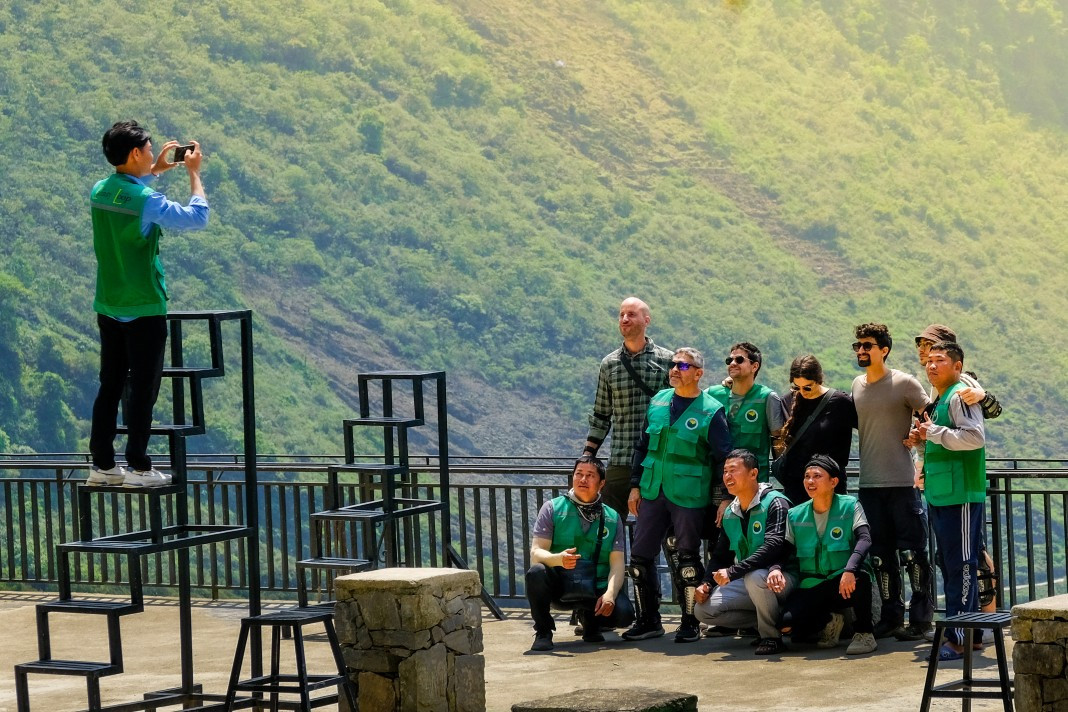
(412,639)
(1040,655)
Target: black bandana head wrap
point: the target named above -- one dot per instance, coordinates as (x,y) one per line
(826,463)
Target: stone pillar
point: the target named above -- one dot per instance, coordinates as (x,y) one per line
(412,638)
(1040,629)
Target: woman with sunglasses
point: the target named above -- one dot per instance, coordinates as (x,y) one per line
(820,420)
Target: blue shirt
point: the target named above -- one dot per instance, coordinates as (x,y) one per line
(168,214)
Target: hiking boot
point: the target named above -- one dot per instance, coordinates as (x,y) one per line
(862,643)
(886,629)
(642,630)
(916,631)
(115,476)
(833,629)
(146,478)
(542,641)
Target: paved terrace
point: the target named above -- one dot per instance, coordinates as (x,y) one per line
(721,671)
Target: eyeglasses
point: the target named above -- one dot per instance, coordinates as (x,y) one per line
(682,365)
(736,359)
(859,346)
(807,389)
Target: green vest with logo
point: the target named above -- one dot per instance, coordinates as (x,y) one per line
(744,543)
(567,533)
(749,424)
(952,476)
(675,459)
(129,276)
(823,557)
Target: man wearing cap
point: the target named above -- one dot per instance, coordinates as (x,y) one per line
(677,464)
(750,573)
(955,484)
(566,532)
(754,411)
(970,391)
(628,377)
(885,400)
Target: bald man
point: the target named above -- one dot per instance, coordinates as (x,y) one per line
(628,378)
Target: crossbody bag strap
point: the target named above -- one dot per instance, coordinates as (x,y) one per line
(634,375)
(808,421)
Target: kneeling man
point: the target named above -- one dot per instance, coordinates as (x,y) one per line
(574,527)
(750,567)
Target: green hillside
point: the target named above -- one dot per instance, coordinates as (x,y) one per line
(475,185)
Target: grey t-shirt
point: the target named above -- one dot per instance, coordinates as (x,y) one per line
(884,416)
(543,526)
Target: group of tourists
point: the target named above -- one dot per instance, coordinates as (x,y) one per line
(695,465)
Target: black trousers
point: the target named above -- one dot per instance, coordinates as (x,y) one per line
(811,607)
(544,589)
(130,352)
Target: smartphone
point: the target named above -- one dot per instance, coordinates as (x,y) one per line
(180,151)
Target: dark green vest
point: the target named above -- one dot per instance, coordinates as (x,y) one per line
(567,533)
(749,425)
(952,476)
(745,543)
(129,276)
(675,459)
(822,558)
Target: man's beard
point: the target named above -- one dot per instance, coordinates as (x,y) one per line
(863,360)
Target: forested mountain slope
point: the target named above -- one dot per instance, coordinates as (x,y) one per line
(474,185)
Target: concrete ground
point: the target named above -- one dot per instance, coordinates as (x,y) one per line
(723,673)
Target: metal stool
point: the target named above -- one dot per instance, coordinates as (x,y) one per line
(962,689)
(301,683)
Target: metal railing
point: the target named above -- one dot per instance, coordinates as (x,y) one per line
(494,504)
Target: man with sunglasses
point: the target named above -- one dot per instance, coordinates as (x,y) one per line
(677,464)
(754,412)
(628,377)
(885,400)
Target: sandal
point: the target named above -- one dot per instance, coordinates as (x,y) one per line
(770,646)
(946,654)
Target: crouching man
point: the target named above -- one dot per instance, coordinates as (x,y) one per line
(571,528)
(750,570)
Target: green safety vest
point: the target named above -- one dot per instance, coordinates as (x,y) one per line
(129,276)
(675,459)
(745,543)
(749,425)
(567,533)
(823,558)
(952,476)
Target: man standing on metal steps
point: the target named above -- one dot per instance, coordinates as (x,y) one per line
(677,467)
(131,292)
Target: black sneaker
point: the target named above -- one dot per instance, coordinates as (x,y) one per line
(916,631)
(542,642)
(718,631)
(886,629)
(592,636)
(687,633)
(644,630)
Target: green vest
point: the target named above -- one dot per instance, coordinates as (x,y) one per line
(129,276)
(567,533)
(749,425)
(745,543)
(952,476)
(823,558)
(675,459)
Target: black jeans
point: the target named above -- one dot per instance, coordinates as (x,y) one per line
(132,352)
(544,589)
(811,607)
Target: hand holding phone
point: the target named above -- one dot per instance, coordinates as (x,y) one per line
(180,151)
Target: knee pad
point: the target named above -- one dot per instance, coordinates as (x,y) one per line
(988,579)
(917,567)
(687,578)
(882,578)
(642,571)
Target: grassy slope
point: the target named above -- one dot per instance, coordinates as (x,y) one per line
(474,185)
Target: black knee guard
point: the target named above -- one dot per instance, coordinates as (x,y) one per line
(918,569)
(646,586)
(882,577)
(988,579)
(688,578)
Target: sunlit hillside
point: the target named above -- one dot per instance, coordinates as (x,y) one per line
(474,186)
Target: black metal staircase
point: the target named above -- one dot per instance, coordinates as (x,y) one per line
(179,536)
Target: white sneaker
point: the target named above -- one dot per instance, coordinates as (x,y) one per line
(115,476)
(146,478)
(830,634)
(862,643)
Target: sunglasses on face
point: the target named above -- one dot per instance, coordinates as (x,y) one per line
(682,365)
(735,359)
(807,389)
(859,346)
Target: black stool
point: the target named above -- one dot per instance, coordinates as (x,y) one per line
(300,683)
(962,689)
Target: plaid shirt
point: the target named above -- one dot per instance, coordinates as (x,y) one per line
(620,402)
